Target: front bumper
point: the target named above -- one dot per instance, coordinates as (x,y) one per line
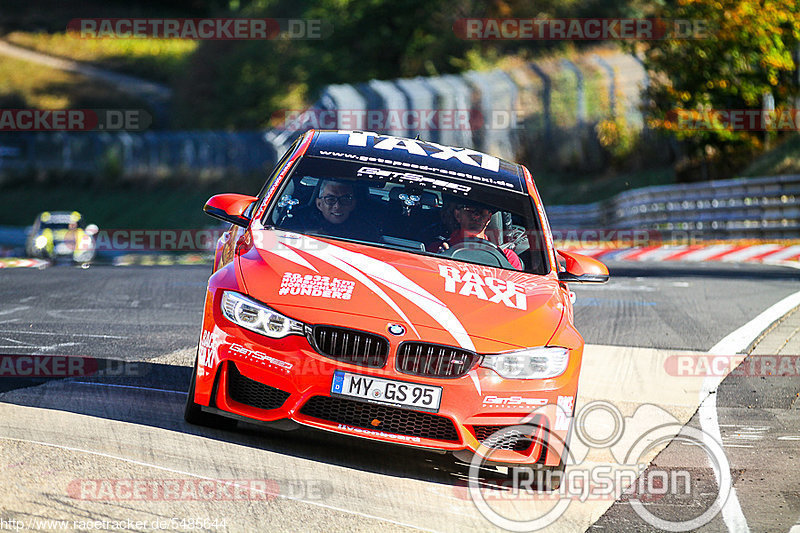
(252,377)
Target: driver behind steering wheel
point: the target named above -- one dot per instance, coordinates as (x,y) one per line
(470,220)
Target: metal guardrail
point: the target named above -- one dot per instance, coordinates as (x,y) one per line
(765,208)
(148,156)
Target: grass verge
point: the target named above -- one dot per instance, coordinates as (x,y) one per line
(178,208)
(25,85)
(783,159)
(153,59)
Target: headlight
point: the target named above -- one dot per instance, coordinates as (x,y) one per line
(40,242)
(258,317)
(531,363)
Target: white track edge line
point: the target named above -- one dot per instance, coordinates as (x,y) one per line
(733,343)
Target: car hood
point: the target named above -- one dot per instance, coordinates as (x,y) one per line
(301,276)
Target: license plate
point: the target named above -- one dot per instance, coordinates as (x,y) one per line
(386,391)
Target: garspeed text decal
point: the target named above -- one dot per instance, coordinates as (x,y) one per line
(513,401)
(409,177)
(255,355)
(486,288)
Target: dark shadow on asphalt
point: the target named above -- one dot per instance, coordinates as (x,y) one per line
(154,394)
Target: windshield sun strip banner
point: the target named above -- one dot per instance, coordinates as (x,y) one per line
(498,197)
(462,178)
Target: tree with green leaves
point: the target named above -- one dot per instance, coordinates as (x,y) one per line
(241,84)
(741,54)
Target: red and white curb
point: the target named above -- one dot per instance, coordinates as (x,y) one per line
(16,262)
(728,253)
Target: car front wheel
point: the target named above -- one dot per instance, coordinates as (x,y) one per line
(193,412)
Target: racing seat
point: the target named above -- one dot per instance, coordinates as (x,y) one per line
(408,220)
(495,231)
(498,229)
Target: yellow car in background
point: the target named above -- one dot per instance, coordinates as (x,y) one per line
(61,235)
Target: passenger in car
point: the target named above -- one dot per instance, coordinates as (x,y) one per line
(337,214)
(470,221)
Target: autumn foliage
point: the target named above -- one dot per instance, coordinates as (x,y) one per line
(747,60)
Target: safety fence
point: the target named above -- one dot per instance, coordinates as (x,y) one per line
(765,208)
(542,113)
(149,156)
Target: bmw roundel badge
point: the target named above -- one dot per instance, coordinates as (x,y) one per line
(396,329)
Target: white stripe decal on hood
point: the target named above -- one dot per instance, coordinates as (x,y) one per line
(287,253)
(360,276)
(394,279)
(476,380)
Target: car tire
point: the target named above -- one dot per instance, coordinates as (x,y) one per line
(193,412)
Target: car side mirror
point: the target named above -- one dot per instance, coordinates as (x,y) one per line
(230,207)
(582,269)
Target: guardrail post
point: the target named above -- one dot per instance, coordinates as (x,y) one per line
(547,88)
(422,98)
(580,109)
(612,82)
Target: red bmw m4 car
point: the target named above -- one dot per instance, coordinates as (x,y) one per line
(395,290)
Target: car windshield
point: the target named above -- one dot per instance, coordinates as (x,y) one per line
(55,225)
(413,211)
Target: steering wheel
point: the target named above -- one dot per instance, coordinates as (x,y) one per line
(477,250)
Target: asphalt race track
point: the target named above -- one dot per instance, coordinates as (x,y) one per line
(64,442)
